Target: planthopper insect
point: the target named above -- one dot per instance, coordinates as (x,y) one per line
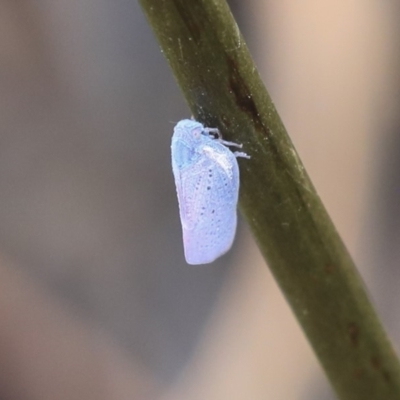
(206,175)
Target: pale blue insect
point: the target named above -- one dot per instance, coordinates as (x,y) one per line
(206,175)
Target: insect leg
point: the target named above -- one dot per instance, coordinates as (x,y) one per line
(241,154)
(219,138)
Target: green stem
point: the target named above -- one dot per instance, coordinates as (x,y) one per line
(213,67)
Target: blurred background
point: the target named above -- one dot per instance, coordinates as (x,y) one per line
(96,300)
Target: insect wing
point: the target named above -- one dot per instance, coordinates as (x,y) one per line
(207,193)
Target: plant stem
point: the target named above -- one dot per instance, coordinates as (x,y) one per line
(214,69)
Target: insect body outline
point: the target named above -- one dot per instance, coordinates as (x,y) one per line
(206,175)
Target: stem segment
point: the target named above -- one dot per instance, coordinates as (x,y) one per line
(214,69)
